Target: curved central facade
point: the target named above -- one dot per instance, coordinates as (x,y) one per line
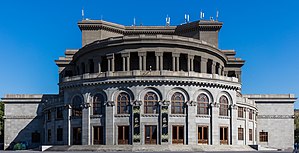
(153,85)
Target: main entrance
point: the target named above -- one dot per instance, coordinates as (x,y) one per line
(150,134)
(223,135)
(98,135)
(77,136)
(177,134)
(123,134)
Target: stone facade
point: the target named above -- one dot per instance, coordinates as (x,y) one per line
(158,85)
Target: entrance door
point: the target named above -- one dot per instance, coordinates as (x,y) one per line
(150,134)
(123,134)
(223,135)
(177,134)
(97,135)
(77,136)
(203,135)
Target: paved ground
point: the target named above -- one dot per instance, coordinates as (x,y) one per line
(28,151)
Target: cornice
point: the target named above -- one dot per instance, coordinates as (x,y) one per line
(95,82)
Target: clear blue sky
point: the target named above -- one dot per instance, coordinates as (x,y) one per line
(33,33)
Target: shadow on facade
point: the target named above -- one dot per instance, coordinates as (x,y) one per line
(30,137)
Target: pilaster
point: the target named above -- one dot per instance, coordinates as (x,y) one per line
(86,119)
(203,65)
(215,138)
(234,128)
(109,123)
(191,125)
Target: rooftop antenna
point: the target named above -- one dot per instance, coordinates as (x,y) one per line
(187,17)
(167,21)
(134,21)
(101,17)
(217,15)
(82,13)
(202,15)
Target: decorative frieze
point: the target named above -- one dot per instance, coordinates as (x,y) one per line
(109,103)
(275,116)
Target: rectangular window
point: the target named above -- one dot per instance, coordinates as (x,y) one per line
(250,134)
(240,112)
(250,114)
(59,134)
(59,113)
(203,135)
(223,135)
(49,135)
(98,135)
(240,134)
(35,137)
(263,136)
(49,115)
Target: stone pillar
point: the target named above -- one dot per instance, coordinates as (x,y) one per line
(69,114)
(142,61)
(246,128)
(109,123)
(176,61)
(191,123)
(215,137)
(110,58)
(234,128)
(159,60)
(203,65)
(86,119)
(214,67)
(173,63)
(190,62)
(219,69)
(126,61)
(238,75)
(99,65)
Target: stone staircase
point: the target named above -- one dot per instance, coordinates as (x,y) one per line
(151,148)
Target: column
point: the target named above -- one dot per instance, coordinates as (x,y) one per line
(219,69)
(126,61)
(109,122)
(215,137)
(124,64)
(190,62)
(214,67)
(99,65)
(175,61)
(238,75)
(69,114)
(234,128)
(191,125)
(159,60)
(110,58)
(246,128)
(203,65)
(142,61)
(86,119)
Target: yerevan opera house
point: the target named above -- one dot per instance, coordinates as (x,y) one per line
(150,85)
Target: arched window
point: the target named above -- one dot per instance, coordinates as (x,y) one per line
(177,103)
(123,101)
(150,103)
(98,104)
(202,104)
(76,106)
(223,110)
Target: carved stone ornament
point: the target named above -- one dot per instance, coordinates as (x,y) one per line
(164,103)
(136,103)
(109,103)
(234,106)
(191,103)
(215,104)
(68,106)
